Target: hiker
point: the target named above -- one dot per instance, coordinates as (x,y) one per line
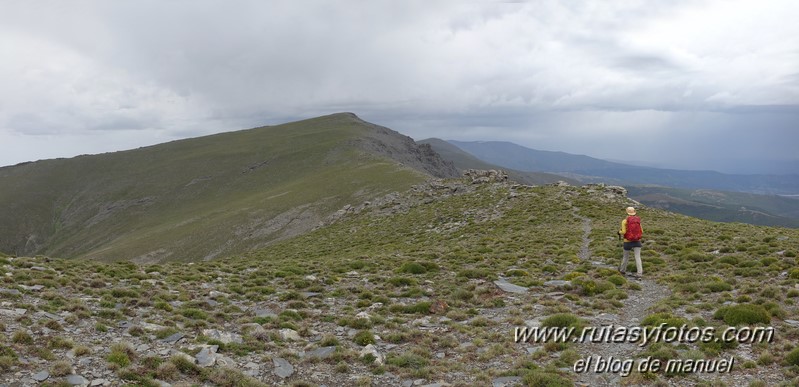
(631,231)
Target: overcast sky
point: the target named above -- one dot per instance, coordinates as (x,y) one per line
(686,84)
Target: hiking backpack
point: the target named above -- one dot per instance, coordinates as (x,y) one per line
(634,232)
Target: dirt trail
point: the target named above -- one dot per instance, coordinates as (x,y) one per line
(635,308)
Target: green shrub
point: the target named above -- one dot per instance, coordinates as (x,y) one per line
(590,287)
(475,273)
(792,357)
(412,268)
(364,338)
(184,365)
(561,320)
(7,362)
(61,368)
(718,286)
(119,358)
(538,378)
(742,314)
(617,280)
(655,319)
(194,313)
(8,352)
(694,256)
(406,360)
(22,337)
(402,281)
(422,307)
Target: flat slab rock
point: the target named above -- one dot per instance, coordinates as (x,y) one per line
(506,286)
(77,380)
(322,353)
(224,337)
(557,283)
(506,381)
(283,368)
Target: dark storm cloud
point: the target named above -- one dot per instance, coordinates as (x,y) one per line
(574,76)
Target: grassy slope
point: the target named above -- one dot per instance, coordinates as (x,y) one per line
(191,199)
(393,263)
(464,160)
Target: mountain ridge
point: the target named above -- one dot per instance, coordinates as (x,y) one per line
(208,196)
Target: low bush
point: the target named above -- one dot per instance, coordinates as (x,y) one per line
(742,314)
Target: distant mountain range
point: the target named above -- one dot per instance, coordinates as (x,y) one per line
(588,169)
(463,160)
(686,192)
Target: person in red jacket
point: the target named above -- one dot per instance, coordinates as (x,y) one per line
(631,231)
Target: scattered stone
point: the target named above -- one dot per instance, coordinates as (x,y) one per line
(283,368)
(792,323)
(77,380)
(151,327)
(363,315)
(41,376)
(264,312)
(13,292)
(99,382)
(39,268)
(506,286)
(224,361)
(252,366)
(34,287)
(173,338)
(12,312)
(217,294)
(224,337)
(323,352)
(371,350)
(557,283)
(289,335)
(485,176)
(506,381)
(206,357)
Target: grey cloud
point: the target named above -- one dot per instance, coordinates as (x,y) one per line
(528,71)
(645,63)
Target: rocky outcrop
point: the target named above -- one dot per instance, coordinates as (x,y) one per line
(479,176)
(385,142)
